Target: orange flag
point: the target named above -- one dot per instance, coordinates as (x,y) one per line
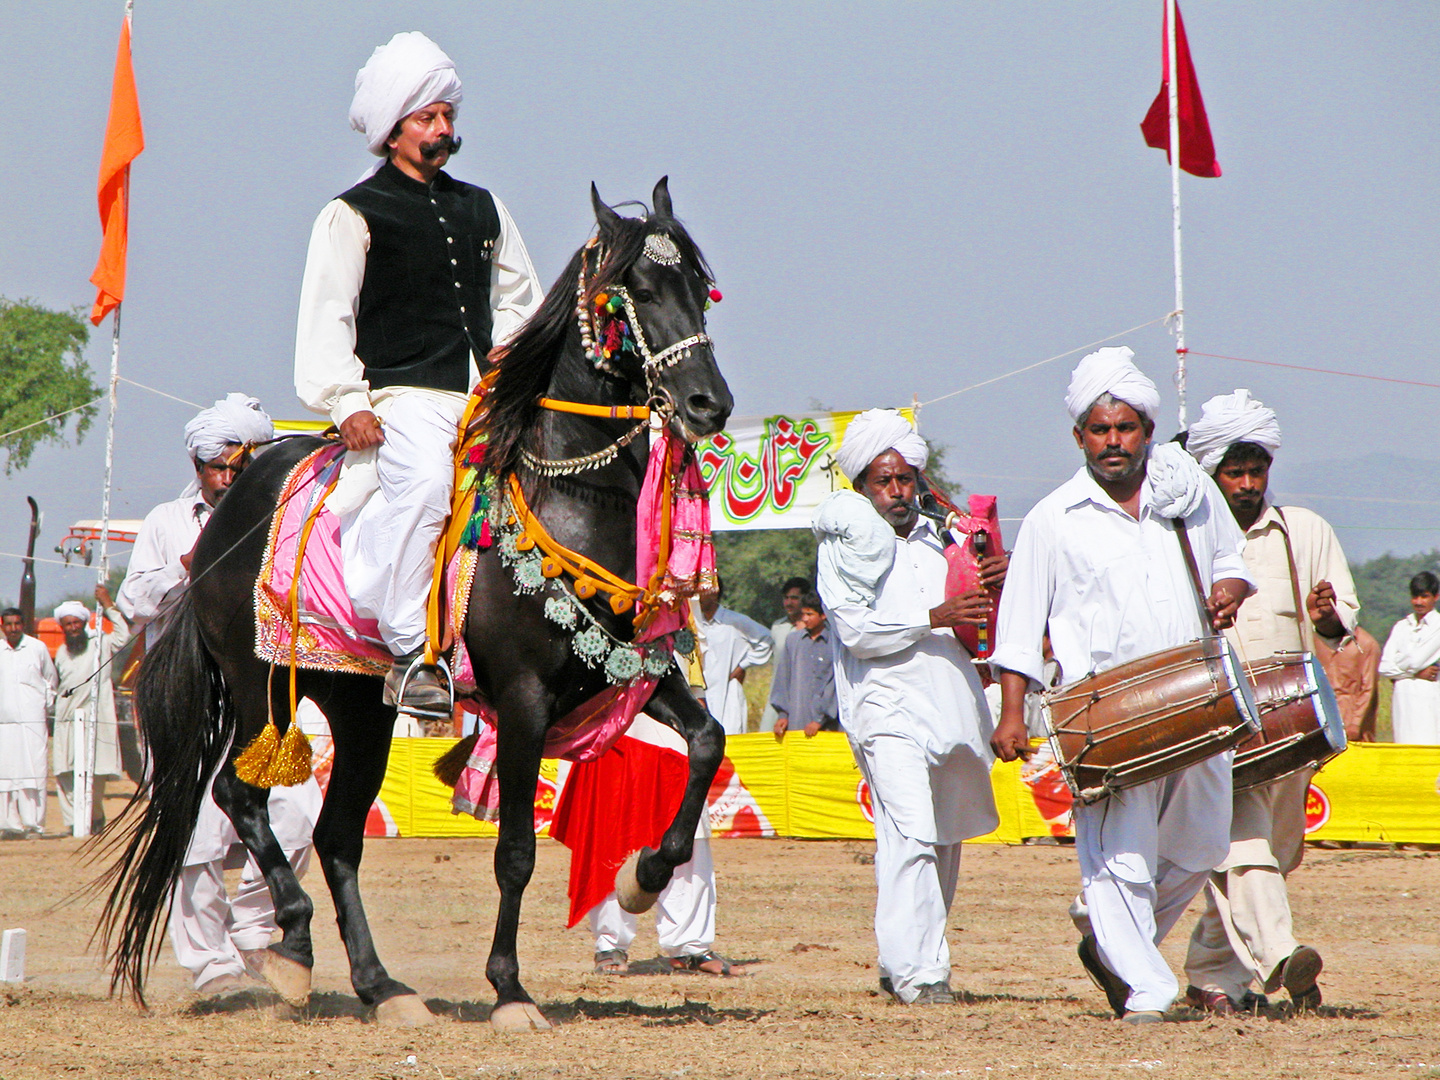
(123,142)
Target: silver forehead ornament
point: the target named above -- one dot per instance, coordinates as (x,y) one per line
(660,249)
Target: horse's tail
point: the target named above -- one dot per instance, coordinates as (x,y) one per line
(187,721)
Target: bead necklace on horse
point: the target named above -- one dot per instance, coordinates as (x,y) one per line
(545,635)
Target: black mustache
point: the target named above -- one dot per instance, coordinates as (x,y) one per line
(1116,454)
(446,144)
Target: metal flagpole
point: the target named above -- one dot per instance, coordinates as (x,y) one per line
(1174,95)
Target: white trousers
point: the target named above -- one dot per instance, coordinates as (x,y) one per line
(388,545)
(209,929)
(1246,931)
(65,796)
(684,914)
(22,810)
(914,887)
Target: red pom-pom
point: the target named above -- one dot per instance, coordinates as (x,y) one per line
(715,296)
(485,533)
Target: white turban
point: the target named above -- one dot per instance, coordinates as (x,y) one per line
(72,609)
(405,74)
(234,419)
(1110,371)
(872,433)
(1227,419)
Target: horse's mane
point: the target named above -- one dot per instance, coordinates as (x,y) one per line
(526,366)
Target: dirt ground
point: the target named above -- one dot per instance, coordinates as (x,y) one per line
(800,912)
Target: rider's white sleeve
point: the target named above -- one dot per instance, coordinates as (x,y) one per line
(329,377)
(515,291)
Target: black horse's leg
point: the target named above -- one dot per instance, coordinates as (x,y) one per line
(360,725)
(524,712)
(675,706)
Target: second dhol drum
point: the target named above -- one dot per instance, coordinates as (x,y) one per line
(1299,716)
(1150,717)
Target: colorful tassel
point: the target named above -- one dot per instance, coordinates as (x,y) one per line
(272,760)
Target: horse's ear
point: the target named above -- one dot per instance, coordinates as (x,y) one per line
(607,219)
(661,199)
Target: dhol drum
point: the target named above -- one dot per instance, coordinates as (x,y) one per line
(1150,717)
(1301,725)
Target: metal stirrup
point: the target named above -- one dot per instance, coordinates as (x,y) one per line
(420,712)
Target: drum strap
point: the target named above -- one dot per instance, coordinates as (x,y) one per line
(1301,615)
(1183,535)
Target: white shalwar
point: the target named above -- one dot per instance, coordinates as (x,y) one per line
(210,930)
(1246,931)
(27,687)
(77,679)
(732,641)
(1413,645)
(388,538)
(911,703)
(685,912)
(1112,589)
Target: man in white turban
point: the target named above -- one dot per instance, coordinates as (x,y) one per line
(909,697)
(411,278)
(1245,936)
(1097,564)
(84,664)
(27,687)
(220,939)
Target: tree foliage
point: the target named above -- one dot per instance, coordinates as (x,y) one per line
(1383,586)
(43,373)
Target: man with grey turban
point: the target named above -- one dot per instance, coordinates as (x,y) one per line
(411,278)
(909,697)
(1097,564)
(1245,936)
(82,662)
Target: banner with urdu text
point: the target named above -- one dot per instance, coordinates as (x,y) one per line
(810,788)
(771,472)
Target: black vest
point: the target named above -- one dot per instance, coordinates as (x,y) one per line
(425,302)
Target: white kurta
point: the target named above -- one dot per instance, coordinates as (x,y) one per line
(27,687)
(731,641)
(388,541)
(911,703)
(1413,645)
(1111,588)
(77,676)
(155,578)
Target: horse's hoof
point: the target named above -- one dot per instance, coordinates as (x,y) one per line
(518,1016)
(404,1010)
(628,892)
(287,1013)
(287,978)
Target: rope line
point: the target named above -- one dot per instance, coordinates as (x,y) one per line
(1042,363)
(1321,371)
(57,416)
(162,393)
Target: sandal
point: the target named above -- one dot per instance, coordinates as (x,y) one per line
(707,963)
(612,962)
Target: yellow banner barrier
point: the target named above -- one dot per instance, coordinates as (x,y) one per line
(810,788)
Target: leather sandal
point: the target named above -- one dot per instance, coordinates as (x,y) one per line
(707,963)
(612,962)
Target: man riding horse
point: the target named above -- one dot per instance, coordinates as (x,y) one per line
(410,278)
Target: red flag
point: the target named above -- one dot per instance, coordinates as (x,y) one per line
(1197,148)
(123,142)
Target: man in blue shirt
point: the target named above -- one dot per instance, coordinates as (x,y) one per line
(803,693)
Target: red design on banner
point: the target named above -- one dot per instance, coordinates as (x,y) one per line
(1317,809)
(733,810)
(748,484)
(862,796)
(379,822)
(545,795)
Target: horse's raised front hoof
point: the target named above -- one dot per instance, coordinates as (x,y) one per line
(287,978)
(628,892)
(404,1010)
(518,1016)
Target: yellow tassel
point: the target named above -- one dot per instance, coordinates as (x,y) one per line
(275,761)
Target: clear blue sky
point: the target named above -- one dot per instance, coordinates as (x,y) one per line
(899,199)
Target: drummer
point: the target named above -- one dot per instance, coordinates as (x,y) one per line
(1098,561)
(1245,934)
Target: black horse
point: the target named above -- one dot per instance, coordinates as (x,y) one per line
(203,695)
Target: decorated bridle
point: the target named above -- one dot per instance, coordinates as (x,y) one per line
(604,335)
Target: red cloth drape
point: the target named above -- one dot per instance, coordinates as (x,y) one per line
(1197,148)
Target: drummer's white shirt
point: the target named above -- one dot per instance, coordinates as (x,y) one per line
(1111,589)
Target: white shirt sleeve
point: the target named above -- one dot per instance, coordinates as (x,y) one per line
(154,569)
(1393,661)
(1025,605)
(515,292)
(329,377)
(868,633)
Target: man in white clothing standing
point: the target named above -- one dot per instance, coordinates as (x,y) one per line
(1411,660)
(1098,562)
(909,697)
(1304,593)
(410,279)
(84,659)
(27,686)
(734,643)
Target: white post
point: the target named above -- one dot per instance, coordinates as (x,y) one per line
(1173,84)
(12,956)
